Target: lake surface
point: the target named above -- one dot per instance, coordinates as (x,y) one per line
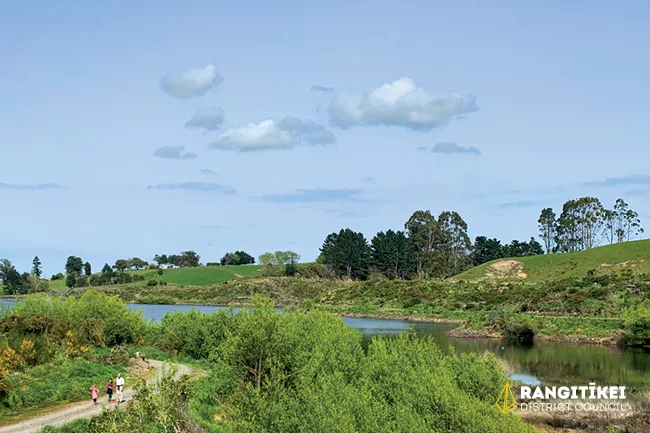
(547,362)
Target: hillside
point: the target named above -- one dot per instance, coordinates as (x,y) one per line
(201,276)
(634,255)
(204,275)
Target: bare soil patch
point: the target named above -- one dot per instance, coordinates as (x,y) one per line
(506,269)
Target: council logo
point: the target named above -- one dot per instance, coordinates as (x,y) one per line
(506,401)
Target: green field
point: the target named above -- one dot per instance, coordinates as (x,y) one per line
(634,255)
(204,275)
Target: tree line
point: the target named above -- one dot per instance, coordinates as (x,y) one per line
(428,247)
(585,223)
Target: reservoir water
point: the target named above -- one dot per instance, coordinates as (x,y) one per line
(547,362)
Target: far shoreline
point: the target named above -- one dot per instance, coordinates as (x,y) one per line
(458,332)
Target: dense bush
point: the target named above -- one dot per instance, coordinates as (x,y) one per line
(637,326)
(95,319)
(520,331)
(292,361)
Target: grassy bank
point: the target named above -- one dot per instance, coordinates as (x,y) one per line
(633,256)
(52,385)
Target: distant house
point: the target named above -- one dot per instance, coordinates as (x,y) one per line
(168,266)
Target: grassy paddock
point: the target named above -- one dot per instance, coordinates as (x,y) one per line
(634,255)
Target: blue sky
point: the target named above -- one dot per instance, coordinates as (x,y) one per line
(135,128)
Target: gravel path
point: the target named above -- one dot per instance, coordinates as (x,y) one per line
(86,409)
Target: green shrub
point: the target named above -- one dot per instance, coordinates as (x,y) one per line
(518,330)
(637,326)
(412,302)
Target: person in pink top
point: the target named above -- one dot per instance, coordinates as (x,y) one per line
(95,392)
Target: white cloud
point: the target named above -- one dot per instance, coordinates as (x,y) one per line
(191,83)
(173,152)
(270,134)
(210,118)
(400,103)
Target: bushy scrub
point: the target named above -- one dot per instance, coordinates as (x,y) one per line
(403,384)
(39,331)
(637,326)
(308,372)
(518,330)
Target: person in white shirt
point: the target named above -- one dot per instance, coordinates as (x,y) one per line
(119,383)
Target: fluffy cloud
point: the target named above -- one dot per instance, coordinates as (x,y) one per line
(400,103)
(316,196)
(210,118)
(195,186)
(191,83)
(270,134)
(33,187)
(173,152)
(324,89)
(448,147)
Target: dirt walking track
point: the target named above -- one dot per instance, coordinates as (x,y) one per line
(86,409)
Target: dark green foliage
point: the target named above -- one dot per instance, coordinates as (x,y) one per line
(70,281)
(486,250)
(107,270)
(88,269)
(522,249)
(37,270)
(392,254)
(412,302)
(13,282)
(186,259)
(74,266)
(516,330)
(152,283)
(58,276)
(290,269)
(348,253)
(237,258)
(213,264)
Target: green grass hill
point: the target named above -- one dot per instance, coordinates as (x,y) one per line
(634,255)
(204,275)
(200,276)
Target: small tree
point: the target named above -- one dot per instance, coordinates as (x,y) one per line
(70,281)
(74,266)
(13,282)
(121,265)
(88,269)
(37,271)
